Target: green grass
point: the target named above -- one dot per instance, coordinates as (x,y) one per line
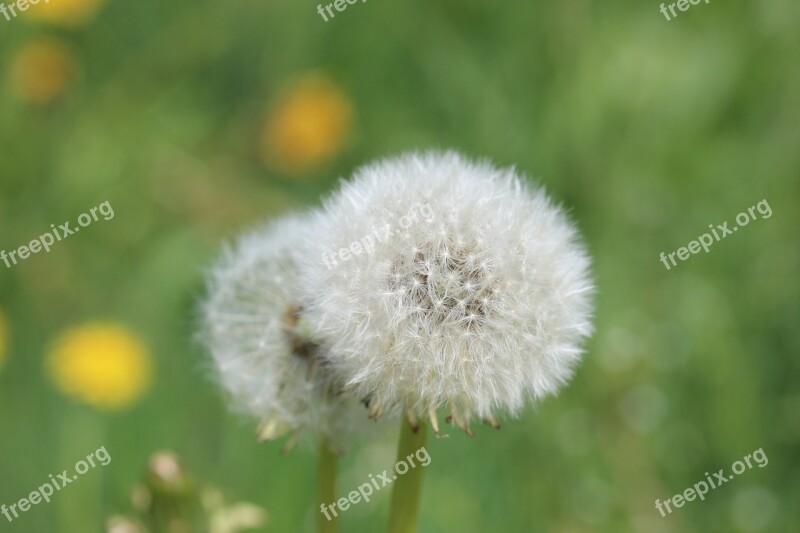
(648,130)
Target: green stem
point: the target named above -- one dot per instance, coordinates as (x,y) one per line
(82,432)
(406,490)
(327,487)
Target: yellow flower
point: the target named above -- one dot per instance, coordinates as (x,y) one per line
(41,71)
(102,364)
(309,124)
(3,338)
(65,12)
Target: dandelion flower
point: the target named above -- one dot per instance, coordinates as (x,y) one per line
(476,306)
(102,364)
(41,71)
(309,124)
(66,12)
(258,339)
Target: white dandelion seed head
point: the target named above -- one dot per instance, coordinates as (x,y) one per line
(255,332)
(471,289)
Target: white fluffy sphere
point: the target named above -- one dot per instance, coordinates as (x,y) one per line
(254,329)
(437,281)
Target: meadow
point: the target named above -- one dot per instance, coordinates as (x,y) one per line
(199,120)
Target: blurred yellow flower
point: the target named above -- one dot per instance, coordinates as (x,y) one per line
(41,71)
(102,364)
(309,123)
(66,12)
(3,338)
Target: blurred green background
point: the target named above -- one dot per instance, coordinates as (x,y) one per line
(196,120)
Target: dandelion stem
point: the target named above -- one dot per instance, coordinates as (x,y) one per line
(406,490)
(327,487)
(82,431)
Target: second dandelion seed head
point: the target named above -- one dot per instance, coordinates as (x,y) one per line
(259,340)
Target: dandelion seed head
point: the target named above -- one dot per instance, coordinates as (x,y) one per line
(254,329)
(484,306)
